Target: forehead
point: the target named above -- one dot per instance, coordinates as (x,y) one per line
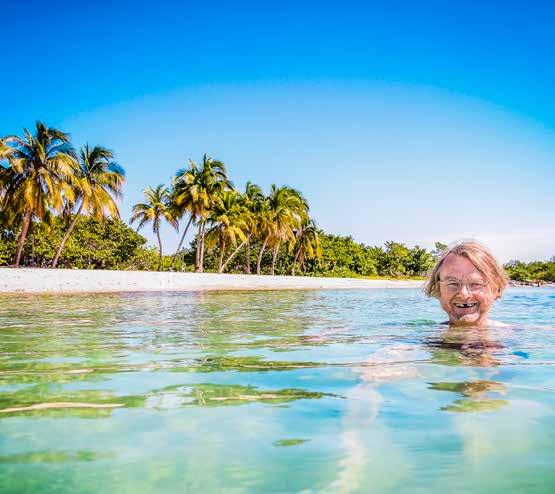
(455,266)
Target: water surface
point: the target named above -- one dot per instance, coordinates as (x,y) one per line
(290,391)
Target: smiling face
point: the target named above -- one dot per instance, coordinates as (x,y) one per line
(470,304)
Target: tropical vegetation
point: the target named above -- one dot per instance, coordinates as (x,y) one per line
(197,190)
(38,181)
(157,208)
(58,207)
(97,181)
(532,272)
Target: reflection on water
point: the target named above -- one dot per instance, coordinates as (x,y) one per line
(54,457)
(459,346)
(94,404)
(289,442)
(358,391)
(476,395)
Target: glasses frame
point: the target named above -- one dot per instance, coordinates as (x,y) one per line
(461,283)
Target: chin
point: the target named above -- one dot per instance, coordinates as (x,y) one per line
(466,320)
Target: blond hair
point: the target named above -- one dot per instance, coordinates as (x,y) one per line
(478,255)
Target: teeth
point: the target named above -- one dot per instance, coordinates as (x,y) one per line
(471,304)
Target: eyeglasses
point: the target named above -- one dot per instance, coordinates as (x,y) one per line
(454,286)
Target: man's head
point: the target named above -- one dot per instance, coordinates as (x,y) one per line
(467,280)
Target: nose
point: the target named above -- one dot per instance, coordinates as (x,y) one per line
(463,290)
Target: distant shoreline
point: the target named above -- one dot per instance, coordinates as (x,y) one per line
(67,281)
(533,284)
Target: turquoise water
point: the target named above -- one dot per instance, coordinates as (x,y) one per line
(293,391)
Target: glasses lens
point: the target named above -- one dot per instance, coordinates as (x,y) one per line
(455,286)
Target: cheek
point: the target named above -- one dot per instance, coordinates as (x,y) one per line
(444,300)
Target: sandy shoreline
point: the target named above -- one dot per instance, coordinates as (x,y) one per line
(31,280)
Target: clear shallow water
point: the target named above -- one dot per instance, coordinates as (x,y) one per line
(312,391)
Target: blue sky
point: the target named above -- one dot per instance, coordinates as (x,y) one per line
(398,120)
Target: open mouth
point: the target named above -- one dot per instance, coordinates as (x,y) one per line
(466,306)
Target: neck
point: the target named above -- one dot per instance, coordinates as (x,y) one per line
(480,323)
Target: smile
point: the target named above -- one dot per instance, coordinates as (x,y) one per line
(466,306)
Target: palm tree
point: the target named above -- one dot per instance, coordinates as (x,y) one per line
(156,208)
(182,204)
(284,212)
(291,213)
(98,181)
(253,200)
(231,222)
(263,221)
(41,169)
(199,187)
(307,243)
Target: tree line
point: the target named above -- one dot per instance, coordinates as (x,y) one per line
(58,207)
(532,272)
(111,244)
(203,196)
(43,178)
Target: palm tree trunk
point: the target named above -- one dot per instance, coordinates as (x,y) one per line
(197,253)
(160,255)
(201,260)
(248,258)
(274,257)
(262,249)
(221,260)
(21,239)
(200,248)
(296,258)
(182,239)
(235,252)
(66,236)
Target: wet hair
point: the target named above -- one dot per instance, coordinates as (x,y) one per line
(478,255)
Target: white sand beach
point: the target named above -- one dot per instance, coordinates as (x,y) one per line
(31,280)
